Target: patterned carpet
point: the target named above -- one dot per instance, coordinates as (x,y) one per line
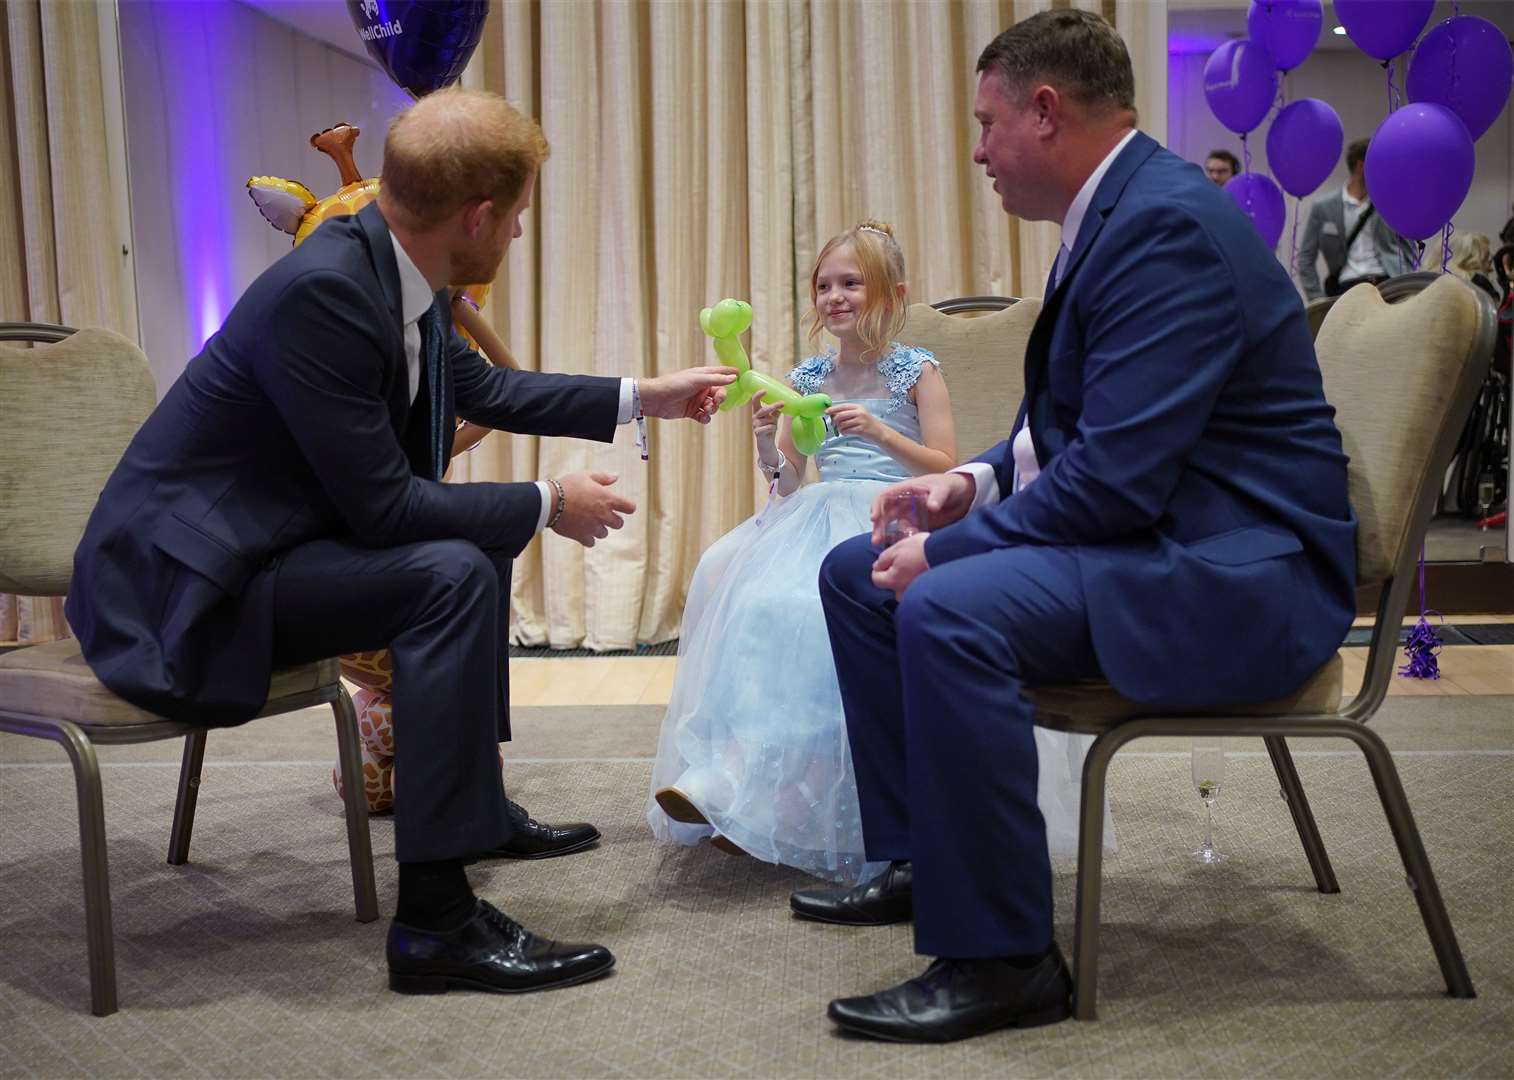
(248,962)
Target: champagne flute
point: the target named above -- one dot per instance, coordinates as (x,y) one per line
(1208,776)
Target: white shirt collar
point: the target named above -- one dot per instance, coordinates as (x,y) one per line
(1349,199)
(1079,208)
(416,295)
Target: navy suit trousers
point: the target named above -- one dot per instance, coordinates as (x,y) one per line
(941,736)
(440,608)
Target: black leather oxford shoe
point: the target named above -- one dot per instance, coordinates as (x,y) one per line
(531,839)
(887,898)
(957,999)
(490,952)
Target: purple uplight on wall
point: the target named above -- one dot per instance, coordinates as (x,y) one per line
(1189,44)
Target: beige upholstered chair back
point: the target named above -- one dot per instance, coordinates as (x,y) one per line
(69,409)
(1401,378)
(983,361)
(1315,311)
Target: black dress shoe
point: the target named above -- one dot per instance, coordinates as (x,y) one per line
(488,952)
(957,999)
(885,899)
(533,840)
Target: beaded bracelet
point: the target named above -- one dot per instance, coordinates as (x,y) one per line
(562,503)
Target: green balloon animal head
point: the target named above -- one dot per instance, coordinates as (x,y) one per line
(725,322)
(727,319)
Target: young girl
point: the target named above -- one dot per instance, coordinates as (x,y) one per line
(753,754)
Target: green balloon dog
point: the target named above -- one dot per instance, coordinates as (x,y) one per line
(726,322)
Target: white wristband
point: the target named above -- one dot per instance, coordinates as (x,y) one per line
(772,471)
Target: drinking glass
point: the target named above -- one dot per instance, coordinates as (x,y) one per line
(1208,776)
(903,515)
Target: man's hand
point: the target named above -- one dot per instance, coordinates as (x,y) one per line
(592,509)
(692,394)
(948,497)
(898,567)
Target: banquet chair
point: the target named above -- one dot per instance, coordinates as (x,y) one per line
(52,469)
(1402,378)
(982,360)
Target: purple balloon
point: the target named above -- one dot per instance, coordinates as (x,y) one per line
(423,44)
(1465,65)
(1240,83)
(1261,201)
(1303,145)
(1288,29)
(1383,28)
(1419,168)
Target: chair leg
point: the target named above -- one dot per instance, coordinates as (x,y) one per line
(189,794)
(1085,947)
(1421,879)
(359,847)
(97,922)
(1303,817)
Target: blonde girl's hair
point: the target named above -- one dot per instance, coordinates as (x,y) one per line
(1470,254)
(881,261)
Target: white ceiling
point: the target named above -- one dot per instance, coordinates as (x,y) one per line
(324,20)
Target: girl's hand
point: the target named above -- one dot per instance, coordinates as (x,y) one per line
(856,420)
(765,430)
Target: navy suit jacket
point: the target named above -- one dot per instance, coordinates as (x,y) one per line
(294,423)
(1188,456)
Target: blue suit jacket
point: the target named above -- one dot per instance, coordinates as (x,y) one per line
(294,423)
(1187,453)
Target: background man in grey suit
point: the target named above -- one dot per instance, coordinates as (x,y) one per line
(1358,245)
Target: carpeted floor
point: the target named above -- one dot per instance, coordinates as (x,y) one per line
(247,962)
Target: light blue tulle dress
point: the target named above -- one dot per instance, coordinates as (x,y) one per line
(754,733)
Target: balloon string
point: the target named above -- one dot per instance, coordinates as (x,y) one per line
(1245,155)
(1419,253)
(1455,83)
(1445,248)
(1293,244)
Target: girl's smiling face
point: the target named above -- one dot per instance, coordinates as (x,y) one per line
(840,293)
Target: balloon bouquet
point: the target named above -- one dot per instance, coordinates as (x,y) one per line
(423,45)
(1420,160)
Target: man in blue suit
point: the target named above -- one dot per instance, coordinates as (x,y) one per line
(1169,513)
(284,504)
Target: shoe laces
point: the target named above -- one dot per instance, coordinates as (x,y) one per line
(518,812)
(502,922)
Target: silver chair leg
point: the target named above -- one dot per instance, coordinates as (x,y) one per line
(189,794)
(1411,849)
(1085,946)
(1303,817)
(359,847)
(97,922)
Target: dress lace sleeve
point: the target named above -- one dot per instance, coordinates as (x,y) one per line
(901,370)
(808,375)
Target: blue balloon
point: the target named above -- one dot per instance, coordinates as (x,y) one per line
(1287,29)
(423,44)
(1303,145)
(1260,200)
(1240,83)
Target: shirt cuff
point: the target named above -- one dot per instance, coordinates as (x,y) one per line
(627,398)
(547,497)
(984,481)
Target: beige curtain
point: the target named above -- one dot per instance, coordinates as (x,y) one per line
(708,148)
(60,259)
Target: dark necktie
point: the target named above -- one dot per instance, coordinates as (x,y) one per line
(434,359)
